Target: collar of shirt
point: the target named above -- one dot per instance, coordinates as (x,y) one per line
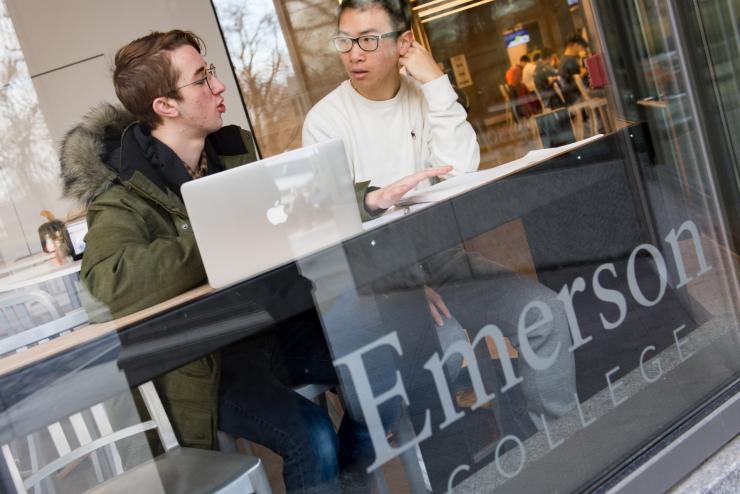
(202,168)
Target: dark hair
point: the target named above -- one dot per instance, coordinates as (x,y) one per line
(524,58)
(576,39)
(397,10)
(546,53)
(143,71)
(536,57)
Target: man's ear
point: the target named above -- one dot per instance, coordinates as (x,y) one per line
(404,42)
(165,107)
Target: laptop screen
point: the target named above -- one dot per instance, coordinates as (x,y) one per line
(254,218)
(77,230)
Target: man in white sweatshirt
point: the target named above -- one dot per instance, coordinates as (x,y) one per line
(398,115)
(393,124)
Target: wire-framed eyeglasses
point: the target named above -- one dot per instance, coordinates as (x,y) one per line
(366,42)
(208,79)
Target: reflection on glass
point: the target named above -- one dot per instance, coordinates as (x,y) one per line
(52,435)
(624,248)
(625,230)
(642,296)
(28,163)
(282,58)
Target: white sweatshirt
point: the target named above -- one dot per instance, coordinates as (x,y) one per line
(422,126)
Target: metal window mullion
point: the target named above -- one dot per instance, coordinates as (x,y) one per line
(732,284)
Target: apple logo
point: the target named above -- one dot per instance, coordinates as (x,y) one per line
(276,214)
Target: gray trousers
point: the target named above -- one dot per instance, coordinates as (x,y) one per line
(478,292)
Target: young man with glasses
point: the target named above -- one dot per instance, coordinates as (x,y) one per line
(417,107)
(127,167)
(398,114)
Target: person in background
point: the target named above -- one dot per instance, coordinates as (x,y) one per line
(533,104)
(514,74)
(570,65)
(545,75)
(517,90)
(528,72)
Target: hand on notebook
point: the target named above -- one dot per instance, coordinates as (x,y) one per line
(390,194)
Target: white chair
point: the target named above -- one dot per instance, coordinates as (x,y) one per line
(513,120)
(33,317)
(595,105)
(558,90)
(539,97)
(43,332)
(178,470)
(510,112)
(24,310)
(576,112)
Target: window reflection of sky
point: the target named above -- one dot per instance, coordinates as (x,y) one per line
(28,160)
(282,60)
(28,155)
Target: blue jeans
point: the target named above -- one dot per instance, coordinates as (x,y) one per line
(256,402)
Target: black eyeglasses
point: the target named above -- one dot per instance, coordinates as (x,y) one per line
(208,79)
(366,42)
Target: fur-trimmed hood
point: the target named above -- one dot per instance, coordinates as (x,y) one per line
(87,149)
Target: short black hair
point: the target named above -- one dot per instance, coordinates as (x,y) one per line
(524,58)
(576,39)
(536,57)
(397,10)
(546,53)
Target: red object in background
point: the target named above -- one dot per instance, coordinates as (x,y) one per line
(596,71)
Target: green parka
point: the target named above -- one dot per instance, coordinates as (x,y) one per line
(140,247)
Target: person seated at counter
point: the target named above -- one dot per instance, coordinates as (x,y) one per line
(396,123)
(570,65)
(521,95)
(127,167)
(545,75)
(528,72)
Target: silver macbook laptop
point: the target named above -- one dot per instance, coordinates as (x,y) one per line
(259,216)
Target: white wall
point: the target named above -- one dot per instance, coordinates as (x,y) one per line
(53,34)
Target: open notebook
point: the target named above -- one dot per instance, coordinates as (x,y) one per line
(458,184)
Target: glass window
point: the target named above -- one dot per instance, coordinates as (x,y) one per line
(627,240)
(281,58)
(29,178)
(535,319)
